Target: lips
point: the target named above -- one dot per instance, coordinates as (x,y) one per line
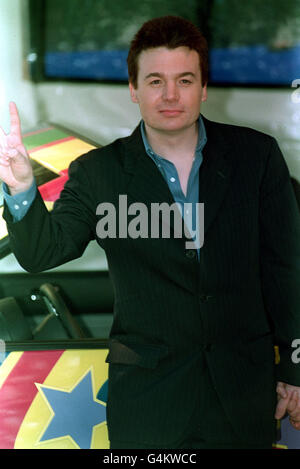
(171,112)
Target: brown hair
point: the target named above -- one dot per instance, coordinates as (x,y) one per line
(170,32)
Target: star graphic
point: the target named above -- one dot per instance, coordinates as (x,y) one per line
(76,412)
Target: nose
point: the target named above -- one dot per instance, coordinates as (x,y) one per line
(170,91)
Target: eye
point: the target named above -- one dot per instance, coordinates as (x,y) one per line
(155,82)
(184,81)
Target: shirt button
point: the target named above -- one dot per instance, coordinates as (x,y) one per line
(16,206)
(190,254)
(172,179)
(25,202)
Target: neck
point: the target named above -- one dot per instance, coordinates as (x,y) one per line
(172,145)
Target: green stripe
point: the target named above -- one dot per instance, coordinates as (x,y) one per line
(37,140)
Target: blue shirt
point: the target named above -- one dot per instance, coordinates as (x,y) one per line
(169,172)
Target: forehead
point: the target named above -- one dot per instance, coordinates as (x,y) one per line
(168,61)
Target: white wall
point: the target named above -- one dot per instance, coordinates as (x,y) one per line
(105,112)
(13,85)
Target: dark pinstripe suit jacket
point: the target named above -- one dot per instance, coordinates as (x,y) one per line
(170,310)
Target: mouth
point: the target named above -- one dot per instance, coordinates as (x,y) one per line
(171,112)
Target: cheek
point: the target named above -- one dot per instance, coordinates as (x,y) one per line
(194,101)
(148,102)
(195,96)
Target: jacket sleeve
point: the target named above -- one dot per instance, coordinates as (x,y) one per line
(280,260)
(42,240)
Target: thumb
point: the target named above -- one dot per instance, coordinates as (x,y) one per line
(283,400)
(281,408)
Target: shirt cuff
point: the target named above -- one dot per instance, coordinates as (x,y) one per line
(19,204)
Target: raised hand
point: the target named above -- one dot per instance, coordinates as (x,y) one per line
(15,167)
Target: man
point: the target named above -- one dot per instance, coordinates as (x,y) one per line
(191,354)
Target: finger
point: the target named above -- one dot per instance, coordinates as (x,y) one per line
(13,153)
(281,408)
(15,125)
(22,150)
(2,138)
(280,389)
(5,157)
(295,424)
(294,406)
(4,161)
(8,152)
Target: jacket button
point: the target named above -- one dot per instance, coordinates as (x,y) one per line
(204,298)
(190,254)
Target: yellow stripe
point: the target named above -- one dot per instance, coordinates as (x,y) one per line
(49,205)
(277,356)
(8,365)
(58,157)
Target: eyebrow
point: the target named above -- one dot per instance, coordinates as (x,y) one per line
(161,75)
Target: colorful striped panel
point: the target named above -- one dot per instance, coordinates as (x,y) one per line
(16,398)
(49,400)
(58,155)
(54,149)
(44,136)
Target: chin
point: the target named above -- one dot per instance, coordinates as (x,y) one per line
(173,125)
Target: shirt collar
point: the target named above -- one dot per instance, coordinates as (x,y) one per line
(202,138)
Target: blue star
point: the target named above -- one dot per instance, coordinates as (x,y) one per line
(75,412)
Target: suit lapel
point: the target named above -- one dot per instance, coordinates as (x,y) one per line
(215,172)
(147,185)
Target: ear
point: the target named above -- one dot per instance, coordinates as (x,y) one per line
(204,93)
(133,93)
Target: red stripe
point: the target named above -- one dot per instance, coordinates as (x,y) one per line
(19,390)
(50,191)
(40,131)
(56,142)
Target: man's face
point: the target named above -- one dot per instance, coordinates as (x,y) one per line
(169,89)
